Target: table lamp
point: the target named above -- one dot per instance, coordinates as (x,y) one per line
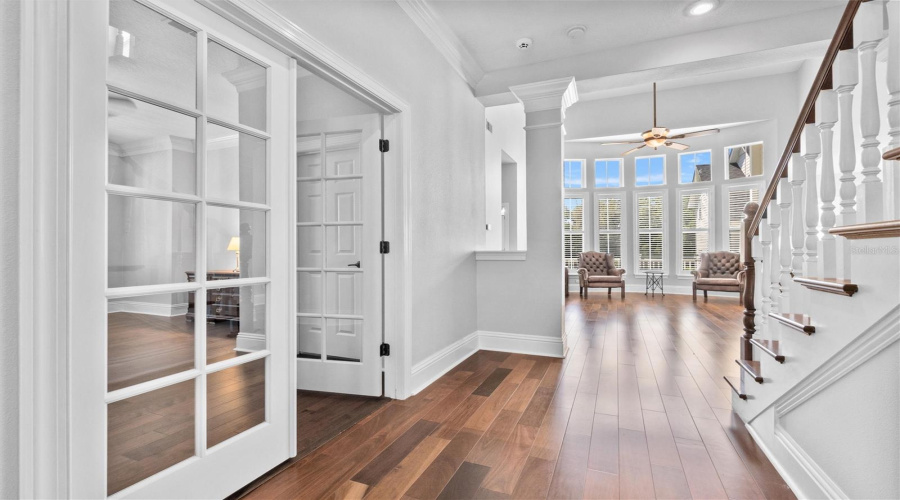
(235,246)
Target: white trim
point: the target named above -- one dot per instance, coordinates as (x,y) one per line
(500,255)
(252,342)
(556,94)
(808,465)
(149,308)
(425,372)
(782,471)
(521,344)
(444,39)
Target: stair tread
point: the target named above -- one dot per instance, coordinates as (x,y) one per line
(830,285)
(737,387)
(770,347)
(796,321)
(752,368)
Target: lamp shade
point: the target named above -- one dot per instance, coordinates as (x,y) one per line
(235,244)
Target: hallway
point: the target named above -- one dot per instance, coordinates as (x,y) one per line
(637,410)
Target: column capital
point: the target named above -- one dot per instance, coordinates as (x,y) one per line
(547,95)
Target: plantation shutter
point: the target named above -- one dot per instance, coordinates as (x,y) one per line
(737,199)
(694,228)
(573,229)
(609,228)
(650,232)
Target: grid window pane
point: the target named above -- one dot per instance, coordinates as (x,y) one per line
(694,228)
(235,400)
(694,167)
(573,227)
(236,165)
(650,171)
(573,174)
(651,219)
(744,161)
(737,200)
(607,173)
(235,321)
(236,240)
(236,87)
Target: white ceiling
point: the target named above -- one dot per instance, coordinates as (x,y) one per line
(490,28)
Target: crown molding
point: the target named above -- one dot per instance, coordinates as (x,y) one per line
(445,41)
(551,94)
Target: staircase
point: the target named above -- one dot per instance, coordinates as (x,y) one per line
(818,383)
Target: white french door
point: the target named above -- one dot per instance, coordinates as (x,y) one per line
(339,265)
(180,359)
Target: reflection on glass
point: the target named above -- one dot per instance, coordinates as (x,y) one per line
(150,147)
(151,242)
(309,201)
(342,153)
(744,161)
(236,165)
(343,293)
(309,338)
(343,339)
(235,400)
(149,433)
(235,321)
(236,87)
(309,292)
(150,54)
(343,200)
(309,246)
(247,253)
(148,337)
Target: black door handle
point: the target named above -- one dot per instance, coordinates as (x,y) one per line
(356,265)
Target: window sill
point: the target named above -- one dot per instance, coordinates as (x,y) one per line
(500,255)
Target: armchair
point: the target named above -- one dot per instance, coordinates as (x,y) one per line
(596,270)
(719,271)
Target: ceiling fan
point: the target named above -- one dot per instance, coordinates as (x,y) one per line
(659,136)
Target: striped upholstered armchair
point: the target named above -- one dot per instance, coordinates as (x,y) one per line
(596,270)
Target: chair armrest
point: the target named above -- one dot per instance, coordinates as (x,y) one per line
(582,276)
(741,276)
(619,272)
(700,273)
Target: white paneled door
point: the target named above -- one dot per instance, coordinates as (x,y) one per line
(339,265)
(181,350)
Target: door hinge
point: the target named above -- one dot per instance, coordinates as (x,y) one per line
(384,145)
(384,247)
(385,349)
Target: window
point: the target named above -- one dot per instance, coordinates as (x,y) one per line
(573,174)
(650,171)
(651,224)
(573,230)
(738,197)
(694,216)
(694,167)
(743,161)
(608,173)
(609,227)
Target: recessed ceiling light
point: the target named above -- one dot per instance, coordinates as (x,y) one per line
(701,7)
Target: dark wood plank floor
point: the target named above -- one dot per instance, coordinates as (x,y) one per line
(638,409)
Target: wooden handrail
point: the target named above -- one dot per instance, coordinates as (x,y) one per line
(837,42)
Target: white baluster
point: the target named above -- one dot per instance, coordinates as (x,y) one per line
(812,147)
(798,177)
(784,279)
(893,85)
(868,27)
(846,76)
(827,115)
(762,269)
(773,268)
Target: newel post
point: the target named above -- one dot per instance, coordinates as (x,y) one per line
(749,281)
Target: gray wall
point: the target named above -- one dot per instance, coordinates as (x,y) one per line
(9,245)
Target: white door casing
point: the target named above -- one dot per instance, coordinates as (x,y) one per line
(212,471)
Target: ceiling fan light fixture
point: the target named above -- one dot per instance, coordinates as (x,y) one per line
(701,7)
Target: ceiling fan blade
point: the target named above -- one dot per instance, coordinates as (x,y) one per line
(621,142)
(676,145)
(632,150)
(698,133)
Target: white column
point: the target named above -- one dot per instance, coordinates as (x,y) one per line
(846,76)
(539,285)
(868,27)
(893,85)
(762,271)
(827,115)
(784,278)
(798,178)
(773,269)
(812,147)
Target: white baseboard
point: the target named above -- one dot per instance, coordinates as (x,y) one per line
(149,308)
(776,463)
(250,342)
(441,362)
(433,367)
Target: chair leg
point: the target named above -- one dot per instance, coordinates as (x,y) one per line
(609,292)
(705,296)
(623,291)
(694,291)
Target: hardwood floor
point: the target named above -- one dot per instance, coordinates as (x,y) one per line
(638,409)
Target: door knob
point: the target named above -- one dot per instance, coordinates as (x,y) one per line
(355,264)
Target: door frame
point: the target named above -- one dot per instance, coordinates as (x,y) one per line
(266,24)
